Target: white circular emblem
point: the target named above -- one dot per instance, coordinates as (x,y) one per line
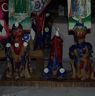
(62,70)
(46,70)
(46,29)
(8,45)
(16,45)
(47,14)
(25,44)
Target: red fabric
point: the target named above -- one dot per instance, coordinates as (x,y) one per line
(40,23)
(17,50)
(1,19)
(56,48)
(81,66)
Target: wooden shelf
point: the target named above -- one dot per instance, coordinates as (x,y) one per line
(50,83)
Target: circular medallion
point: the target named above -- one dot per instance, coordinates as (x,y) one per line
(26,37)
(8,45)
(46,70)
(16,45)
(62,70)
(46,29)
(38,5)
(25,44)
(5,7)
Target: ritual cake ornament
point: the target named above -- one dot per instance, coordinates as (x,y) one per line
(19,53)
(55,68)
(80,54)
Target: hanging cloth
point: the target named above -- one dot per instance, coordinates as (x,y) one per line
(4,32)
(40,23)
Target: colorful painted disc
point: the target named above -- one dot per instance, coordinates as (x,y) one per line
(26,37)
(5,7)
